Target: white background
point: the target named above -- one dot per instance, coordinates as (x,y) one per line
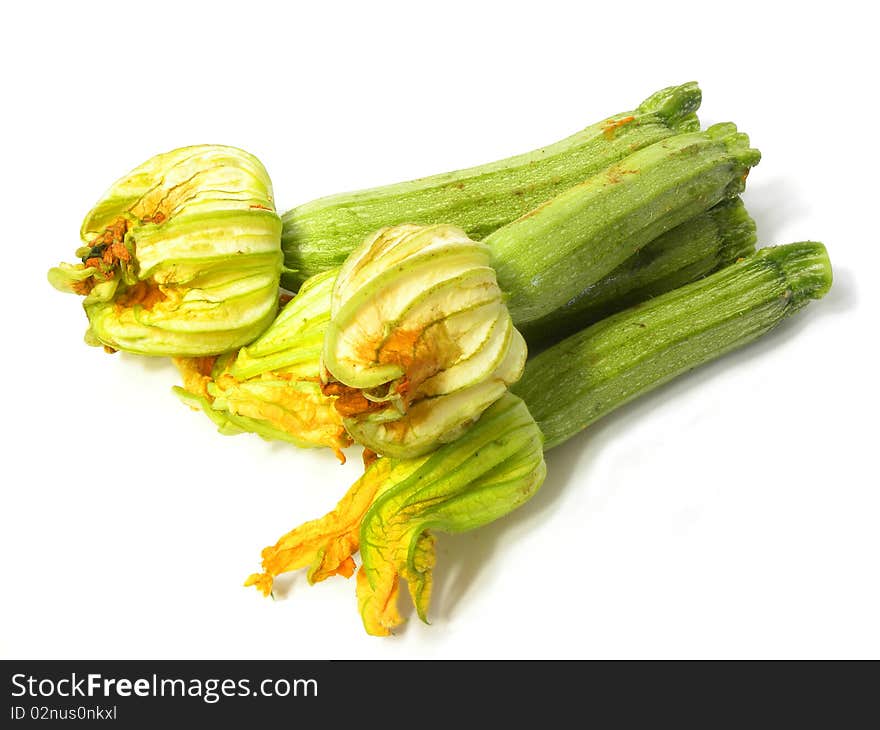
(733,513)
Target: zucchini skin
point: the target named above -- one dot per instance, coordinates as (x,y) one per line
(554,252)
(690,251)
(319,235)
(577,381)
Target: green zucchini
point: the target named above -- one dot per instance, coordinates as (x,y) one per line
(572,384)
(688,252)
(320,234)
(394,510)
(551,254)
(265,386)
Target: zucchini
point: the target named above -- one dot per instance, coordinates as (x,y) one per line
(272,386)
(551,254)
(320,234)
(688,252)
(572,384)
(392,513)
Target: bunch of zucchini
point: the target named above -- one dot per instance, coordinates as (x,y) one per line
(456,326)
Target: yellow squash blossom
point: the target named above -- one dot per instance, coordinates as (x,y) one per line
(181,257)
(420,332)
(392,510)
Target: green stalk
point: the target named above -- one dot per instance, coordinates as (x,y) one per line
(573,383)
(320,234)
(548,256)
(688,252)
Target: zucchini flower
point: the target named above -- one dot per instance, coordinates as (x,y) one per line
(391,511)
(444,340)
(420,341)
(273,386)
(181,256)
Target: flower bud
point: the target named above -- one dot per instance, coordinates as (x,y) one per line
(420,341)
(181,256)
